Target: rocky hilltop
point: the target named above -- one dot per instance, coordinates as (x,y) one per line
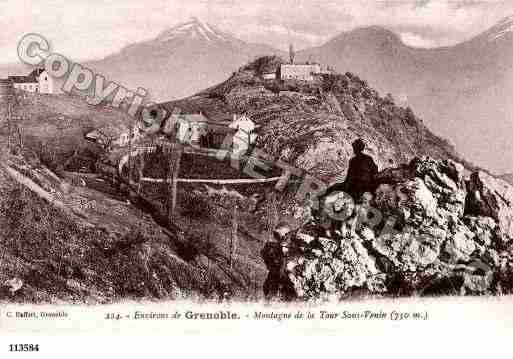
(312,125)
(437,225)
(425,231)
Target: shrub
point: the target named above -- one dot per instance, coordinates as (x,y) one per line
(196,206)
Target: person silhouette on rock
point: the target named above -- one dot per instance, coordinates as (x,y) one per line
(360,174)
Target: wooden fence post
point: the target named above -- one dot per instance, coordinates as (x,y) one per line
(9,126)
(140,170)
(272,213)
(169,179)
(176,171)
(175,156)
(130,129)
(233,237)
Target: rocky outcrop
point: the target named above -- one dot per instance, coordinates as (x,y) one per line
(311,125)
(326,267)
(492,197)
(425,231)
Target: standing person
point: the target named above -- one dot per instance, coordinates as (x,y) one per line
(278,285)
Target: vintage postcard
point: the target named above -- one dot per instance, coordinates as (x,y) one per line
(255,169)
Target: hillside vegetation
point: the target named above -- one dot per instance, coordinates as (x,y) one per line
(74,244)
(53,126)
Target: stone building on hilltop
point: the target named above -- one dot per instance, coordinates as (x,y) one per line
(302,72)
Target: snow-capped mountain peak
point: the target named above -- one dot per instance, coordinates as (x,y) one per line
(504,27)
(194,29)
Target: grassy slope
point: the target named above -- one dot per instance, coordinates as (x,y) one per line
(107,249)
(54,125)
(98,249)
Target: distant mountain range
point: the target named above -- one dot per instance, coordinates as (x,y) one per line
(508,177)
(462,92)
(180,61)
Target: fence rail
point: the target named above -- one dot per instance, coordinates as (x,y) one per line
(213,181)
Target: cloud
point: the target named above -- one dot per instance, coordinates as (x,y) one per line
(415,40)
(447,20)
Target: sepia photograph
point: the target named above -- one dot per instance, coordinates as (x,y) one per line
(286,161)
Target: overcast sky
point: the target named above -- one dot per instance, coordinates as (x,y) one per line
(86,29)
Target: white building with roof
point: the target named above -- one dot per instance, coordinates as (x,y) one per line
(37,81)
(188,128)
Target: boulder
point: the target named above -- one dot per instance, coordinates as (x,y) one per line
(446,173)
(408,250)
(492,197)
(411,201)
(349,267)
(445,180)
(366,233)
(328,245)
(393,176)
(484,229)
(460,246)
(477,283)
